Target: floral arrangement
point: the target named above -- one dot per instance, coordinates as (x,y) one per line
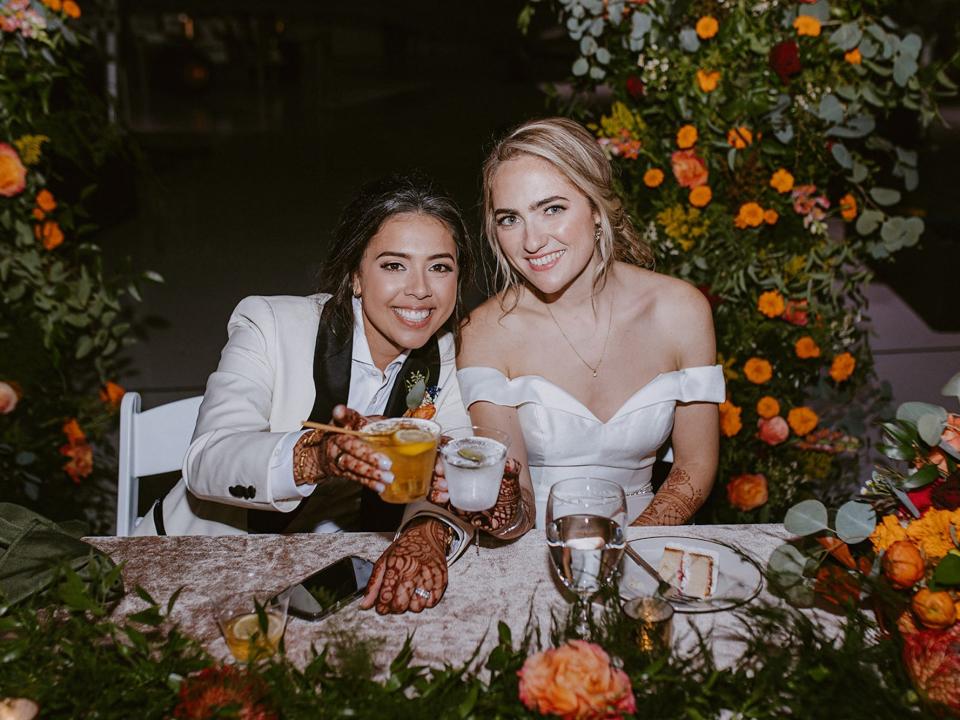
(62,321)
(753,148)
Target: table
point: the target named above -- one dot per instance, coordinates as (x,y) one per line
(511,582)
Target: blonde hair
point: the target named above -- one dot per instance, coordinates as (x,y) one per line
(572,150)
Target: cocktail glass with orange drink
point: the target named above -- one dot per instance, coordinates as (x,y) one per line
(411,445)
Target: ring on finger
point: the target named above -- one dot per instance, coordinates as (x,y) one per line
(422,593)
(339,457)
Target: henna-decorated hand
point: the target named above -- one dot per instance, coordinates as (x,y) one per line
(412,573)
(503,515)
(318,455)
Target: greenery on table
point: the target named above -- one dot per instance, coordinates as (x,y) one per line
(62,319)
(765,149)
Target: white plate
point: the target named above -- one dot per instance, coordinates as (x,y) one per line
(740,578)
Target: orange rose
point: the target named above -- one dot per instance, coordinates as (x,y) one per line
(707,27)
(54,5)
(802,420)
(750,215)
(853,57)
(700,196)
(689,169)
(730,423)
(38,214)
(686,137)
(8,398)
(807,25)
(747,492)
(772,431)
(653,177)
(767,407)
(771,304)
(112,394)
(80,464)
(758,370)
(574,681)
(806,348)
(424,412)
(13,175)
(49,233)
(708,80)
(71,9)
(934,609)
(848,207)
(842,367)
(781,181)
(903,564)
(46,201)
(770,216)
(739,137)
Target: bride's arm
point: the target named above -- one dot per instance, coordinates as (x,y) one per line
(696,426)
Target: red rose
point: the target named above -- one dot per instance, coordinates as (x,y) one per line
(946,495)
(796,312)
(635,87)
(922,497)
(773,431)
(785,59)
(689,169)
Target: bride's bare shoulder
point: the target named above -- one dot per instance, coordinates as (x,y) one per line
(662,292)
(491,328)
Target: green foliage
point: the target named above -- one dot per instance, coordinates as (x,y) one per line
(793,139)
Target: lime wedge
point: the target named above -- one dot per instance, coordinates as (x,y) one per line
(472,455)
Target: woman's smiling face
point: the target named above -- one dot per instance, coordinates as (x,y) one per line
(545,225)
(407,282)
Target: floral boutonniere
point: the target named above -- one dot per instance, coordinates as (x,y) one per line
(420,396)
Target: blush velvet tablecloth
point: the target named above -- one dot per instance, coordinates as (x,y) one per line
(512,582)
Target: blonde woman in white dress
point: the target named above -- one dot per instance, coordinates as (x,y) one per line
(589,359)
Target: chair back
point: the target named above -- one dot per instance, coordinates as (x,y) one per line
(151,442)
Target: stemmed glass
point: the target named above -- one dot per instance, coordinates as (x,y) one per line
(585,520)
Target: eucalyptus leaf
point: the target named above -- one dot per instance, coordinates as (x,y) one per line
(788,562)
(784,133)
(912,411)
(842,155)
(904,68)
(931,428)
(597,73)
(859,173)
(580,67)
(642,22)
(846,36)
(806,518)
(952,387)
(830,109)
(689,40)
(855,521)
(603,56)
(869,221)
(911,45)
(588,45)
(885,196)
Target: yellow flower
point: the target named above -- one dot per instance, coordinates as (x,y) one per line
(750,215)
(806,347)
(707,27)
(853,57)
(708,79)
(842,367)
(686,137)
(886,533)
(701,195)
(730,423)
(807,25)
(739,137)
(768,407)
(802,420)
(29,147)
(653,177)
(781,181)
(729,373)
(771,304)
(770,216)
(848,207)
(758,370)
(683,225)
(932,532)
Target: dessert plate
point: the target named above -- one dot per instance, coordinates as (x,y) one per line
(739,581)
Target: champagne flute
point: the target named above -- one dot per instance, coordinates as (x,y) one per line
(585,533)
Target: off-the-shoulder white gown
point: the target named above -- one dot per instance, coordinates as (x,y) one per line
(564,439)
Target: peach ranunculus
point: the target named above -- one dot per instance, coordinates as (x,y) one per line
(730,422)
(112,394)
(686,137)
(853,57)
(13,174)
(707,80)
(49,233)
(689,169)
(575,681)
(747,492)
(707,27)
(781,181)
(80,464)
(842,367)
(950,436)
(46,201)
(807,25)
(796,312)
(770,216)
(653,177)
(773,431)
(767,407)
(701,196)
(802,420)
(848,207)
(739,137)
(758,370)
(771,304)
(8,398)
(806,348)
(750,215)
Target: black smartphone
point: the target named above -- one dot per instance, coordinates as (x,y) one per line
(329,589)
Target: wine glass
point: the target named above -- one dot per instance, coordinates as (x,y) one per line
(585,534)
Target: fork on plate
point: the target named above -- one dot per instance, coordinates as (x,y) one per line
(668,591)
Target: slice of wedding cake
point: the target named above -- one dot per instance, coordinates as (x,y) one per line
(694,570)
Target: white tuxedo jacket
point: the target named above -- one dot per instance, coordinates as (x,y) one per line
(262,389)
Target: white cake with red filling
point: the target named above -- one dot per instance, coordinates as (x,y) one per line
(692,569)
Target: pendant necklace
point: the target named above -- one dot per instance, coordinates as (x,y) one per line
(603,351)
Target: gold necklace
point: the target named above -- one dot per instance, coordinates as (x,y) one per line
(603,351)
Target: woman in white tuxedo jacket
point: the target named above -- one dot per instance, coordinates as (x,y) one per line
(394,273)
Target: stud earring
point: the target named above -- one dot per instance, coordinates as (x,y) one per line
(597,233)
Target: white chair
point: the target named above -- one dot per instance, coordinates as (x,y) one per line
(151,442)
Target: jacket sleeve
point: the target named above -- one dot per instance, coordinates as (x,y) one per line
(233,448)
